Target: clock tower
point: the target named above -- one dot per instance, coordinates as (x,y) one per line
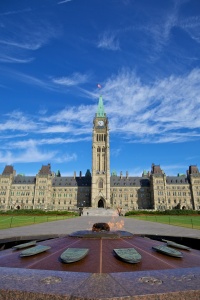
(100,196)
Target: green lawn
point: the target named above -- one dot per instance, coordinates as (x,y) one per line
(17,221)
(183,221)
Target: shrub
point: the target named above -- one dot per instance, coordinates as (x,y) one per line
(164,212)
(38,212)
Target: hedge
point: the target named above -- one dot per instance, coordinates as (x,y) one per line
(38,212)
(165,212)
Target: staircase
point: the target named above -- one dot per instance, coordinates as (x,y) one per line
(100,212)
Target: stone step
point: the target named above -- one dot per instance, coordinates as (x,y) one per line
(99,212)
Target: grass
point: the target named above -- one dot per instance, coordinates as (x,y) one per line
(182,221)
(7,221)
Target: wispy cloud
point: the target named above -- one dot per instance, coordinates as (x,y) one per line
(167,109)
(115,152)
(160,31)
(11,59)
(14,12)
(19,38)
(31,143)
(109,41)
(54,84)
(43,83)
(78,115)
(24,45)
(192,27)
(33,154)
(73,80)
(6,137)
(17,121)
(157,31)
(30,155)
(64,1)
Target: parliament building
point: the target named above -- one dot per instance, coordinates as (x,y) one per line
(48,190)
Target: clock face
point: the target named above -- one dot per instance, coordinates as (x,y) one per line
(100,123)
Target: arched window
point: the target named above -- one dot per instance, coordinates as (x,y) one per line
(100,184)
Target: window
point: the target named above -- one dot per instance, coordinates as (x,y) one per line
(100,184)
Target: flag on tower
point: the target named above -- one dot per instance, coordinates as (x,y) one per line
(99,86)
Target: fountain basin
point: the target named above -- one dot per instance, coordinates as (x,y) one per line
(100,274)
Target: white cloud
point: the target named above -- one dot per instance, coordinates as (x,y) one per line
(66,158)
(192,27)
(168,109)
(2,137)
(115,152)
(32,143)
(13,12)
(108,41)
(74,114)
(22,36)
(18,122)
(32,154)
(28,79)
(161,27)
(10,59)
(74,79)
(24,45)
(64,1)
(56,129)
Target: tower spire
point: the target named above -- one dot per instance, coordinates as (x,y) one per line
(100,109)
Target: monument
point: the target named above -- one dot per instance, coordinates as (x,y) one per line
(98,264)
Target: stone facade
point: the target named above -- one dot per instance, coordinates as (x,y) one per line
(49,191)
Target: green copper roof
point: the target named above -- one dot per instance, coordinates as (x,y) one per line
(100,109)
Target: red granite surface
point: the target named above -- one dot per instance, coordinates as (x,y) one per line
(101,258)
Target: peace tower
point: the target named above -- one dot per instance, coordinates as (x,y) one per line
(100,194)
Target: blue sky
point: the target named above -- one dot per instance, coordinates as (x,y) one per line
(146,56)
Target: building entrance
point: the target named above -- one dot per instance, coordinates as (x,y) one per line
(101,203)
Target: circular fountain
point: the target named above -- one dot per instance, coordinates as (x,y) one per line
(101,266)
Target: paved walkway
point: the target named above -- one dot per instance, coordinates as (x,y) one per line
(67,226)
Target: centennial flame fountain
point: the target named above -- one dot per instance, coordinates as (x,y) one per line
(100,274)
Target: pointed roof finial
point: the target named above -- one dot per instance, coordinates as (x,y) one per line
(100,109)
